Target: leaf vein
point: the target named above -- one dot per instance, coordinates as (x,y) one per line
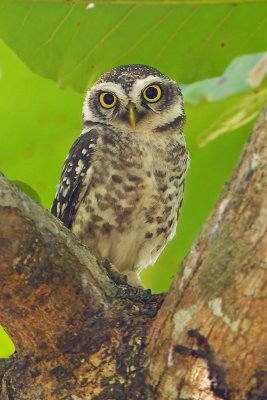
(219,25)
(101,41)
(143,37)
(172,37)
(56,30)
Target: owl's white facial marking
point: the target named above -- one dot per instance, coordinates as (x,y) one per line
(164,115)
(165,110)
(89,112)
(138,88)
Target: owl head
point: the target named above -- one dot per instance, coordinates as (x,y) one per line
(135,98)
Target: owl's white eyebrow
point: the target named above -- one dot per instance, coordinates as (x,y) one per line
(141,84)
(111,87)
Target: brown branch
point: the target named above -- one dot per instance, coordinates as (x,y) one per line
(78,335)
(47,278)
(212,325)
(72,326)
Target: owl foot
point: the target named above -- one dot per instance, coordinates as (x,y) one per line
(113,273)
(130,287)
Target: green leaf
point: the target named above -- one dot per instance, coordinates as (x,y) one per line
(232,114)
(38,123)
(73,44)
(244,75)
(6,345)
(28,190)
(245,72)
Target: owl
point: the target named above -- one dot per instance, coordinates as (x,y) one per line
(122,183)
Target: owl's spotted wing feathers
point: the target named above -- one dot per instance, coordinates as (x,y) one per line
(71,187)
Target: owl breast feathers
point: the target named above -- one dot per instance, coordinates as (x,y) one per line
(121,187)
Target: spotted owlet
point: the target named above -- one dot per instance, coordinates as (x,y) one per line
(122,183)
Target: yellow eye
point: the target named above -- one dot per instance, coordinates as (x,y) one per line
(107,100)
(152,93)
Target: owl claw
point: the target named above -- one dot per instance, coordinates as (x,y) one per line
(113,273)
(125,290)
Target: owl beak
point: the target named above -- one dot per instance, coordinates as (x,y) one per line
(132,114)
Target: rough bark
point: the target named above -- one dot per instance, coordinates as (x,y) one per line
(81,335)
(212,326)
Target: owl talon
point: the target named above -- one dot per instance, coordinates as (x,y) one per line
(113,273)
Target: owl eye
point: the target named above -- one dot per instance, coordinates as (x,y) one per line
(107,100)
(152,93)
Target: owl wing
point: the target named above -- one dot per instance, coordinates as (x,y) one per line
(73,184)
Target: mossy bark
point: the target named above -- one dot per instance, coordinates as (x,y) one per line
(82,333)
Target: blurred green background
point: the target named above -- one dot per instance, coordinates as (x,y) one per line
(51,52)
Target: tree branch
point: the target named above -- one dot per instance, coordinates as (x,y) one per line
(74,329)
(212,325)
(47,277)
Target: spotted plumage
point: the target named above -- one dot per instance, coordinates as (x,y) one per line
(122,183)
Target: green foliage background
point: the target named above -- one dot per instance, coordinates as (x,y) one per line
(52,51)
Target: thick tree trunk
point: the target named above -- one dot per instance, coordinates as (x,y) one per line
(81,335)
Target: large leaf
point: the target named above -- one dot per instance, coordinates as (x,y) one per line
(233,114)
(245,72)
(72,43)
(246,75)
